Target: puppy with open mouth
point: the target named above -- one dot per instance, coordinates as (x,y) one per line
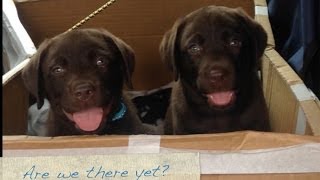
(214,54)
(82,73)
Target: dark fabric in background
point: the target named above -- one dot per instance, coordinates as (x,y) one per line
(296,29)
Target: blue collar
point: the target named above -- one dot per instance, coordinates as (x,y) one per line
(118,115)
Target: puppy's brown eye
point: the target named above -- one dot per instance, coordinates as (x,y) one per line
(58,70)
(101,62)
(194,49)
(235,43)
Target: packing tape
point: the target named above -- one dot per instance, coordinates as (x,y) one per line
(261,10)
(136,144)
(65,152)
(302,158)
(301,122)
(144,144)
(297,159)
(301,92)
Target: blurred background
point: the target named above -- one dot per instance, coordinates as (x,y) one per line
(296,29)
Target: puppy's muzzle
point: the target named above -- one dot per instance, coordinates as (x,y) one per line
(219,91)
(84,91)
(217,77)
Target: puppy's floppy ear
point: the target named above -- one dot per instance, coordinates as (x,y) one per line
(169,47)
(32,74)
(128,57)
(255,31)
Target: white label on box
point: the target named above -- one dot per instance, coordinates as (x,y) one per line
(144,144)
(301,122)
(184,166)
(301,92)
(304,158)
(261,10)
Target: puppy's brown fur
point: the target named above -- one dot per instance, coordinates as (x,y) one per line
(214,53)
(82,73)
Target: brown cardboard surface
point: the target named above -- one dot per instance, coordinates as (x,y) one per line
(28,142)
(264,21)
(15,100)
(266,77)
(280,100)
(124,18)
(245,140)
(283,106)
(289,75)
(260,2)
(265,66)
(278,77)
(148,70)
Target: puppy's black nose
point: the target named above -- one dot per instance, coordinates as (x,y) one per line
(216,75)
(84,91)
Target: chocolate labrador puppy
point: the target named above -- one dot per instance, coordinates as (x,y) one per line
(82,73)
(214,53)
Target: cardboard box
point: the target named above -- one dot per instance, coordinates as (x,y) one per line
(238,155)
(294,112)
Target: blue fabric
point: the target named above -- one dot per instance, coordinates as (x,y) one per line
(296,29)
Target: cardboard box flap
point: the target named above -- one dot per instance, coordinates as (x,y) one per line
(260,2)
(245,140)
(262,16)
(288,99)
(228,153)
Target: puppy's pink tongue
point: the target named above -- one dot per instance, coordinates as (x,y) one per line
(88,120)
(220,98)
